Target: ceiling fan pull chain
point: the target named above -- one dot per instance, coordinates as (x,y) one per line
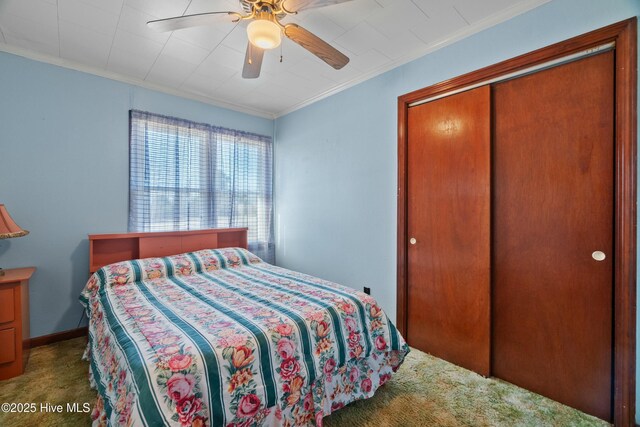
(281,53)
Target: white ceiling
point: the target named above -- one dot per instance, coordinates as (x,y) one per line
(110,38)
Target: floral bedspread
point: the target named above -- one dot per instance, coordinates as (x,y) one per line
(221,338)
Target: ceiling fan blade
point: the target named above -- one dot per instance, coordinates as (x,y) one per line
(187,21)
(298,5)
(316,45)
(252,62)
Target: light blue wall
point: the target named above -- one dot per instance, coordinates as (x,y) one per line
(64,160)
(336,160)
(64,171)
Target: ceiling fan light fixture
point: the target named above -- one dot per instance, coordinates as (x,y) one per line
(264,34)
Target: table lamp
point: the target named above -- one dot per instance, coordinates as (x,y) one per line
(8,228)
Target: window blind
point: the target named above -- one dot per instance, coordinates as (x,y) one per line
(190,176)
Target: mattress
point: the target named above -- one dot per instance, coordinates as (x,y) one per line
(221,338)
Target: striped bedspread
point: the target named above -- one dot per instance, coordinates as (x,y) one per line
(220,338)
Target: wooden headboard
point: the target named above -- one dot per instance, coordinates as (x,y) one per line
(106,249)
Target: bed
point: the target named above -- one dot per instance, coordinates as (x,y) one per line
(218,337)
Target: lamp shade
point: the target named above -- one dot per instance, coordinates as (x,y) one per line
(8,227)
(264,34)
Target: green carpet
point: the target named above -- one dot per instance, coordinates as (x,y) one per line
(425,392)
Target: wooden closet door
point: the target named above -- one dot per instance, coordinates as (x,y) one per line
(448,216)
(553,155)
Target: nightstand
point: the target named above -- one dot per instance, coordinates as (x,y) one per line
(14,321)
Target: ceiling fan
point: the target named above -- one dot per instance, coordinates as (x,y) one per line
(264,30)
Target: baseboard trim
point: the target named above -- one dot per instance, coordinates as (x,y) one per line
(58,336)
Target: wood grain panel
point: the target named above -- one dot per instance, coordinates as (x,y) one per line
(7,312)
(553,206)
(316,45)
(8,347)
(625,224)
(160,246)
(109,248)
(103,252)
(229,240)
(448,215)
(198,242)
(624,35)
(401,228)
(14,338)
(25,325)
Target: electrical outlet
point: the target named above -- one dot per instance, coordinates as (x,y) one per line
(367,290)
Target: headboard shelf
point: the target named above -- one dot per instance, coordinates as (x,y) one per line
(109,248)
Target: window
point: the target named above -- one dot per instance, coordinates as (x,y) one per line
(190,176)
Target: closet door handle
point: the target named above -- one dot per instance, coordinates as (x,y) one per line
(598,256)
(413,240)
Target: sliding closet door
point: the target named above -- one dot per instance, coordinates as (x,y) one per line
(448,228)
(553,155)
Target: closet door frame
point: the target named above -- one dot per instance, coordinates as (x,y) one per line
(624,35)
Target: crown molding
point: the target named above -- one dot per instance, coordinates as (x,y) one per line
(73,65)
(465,32)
